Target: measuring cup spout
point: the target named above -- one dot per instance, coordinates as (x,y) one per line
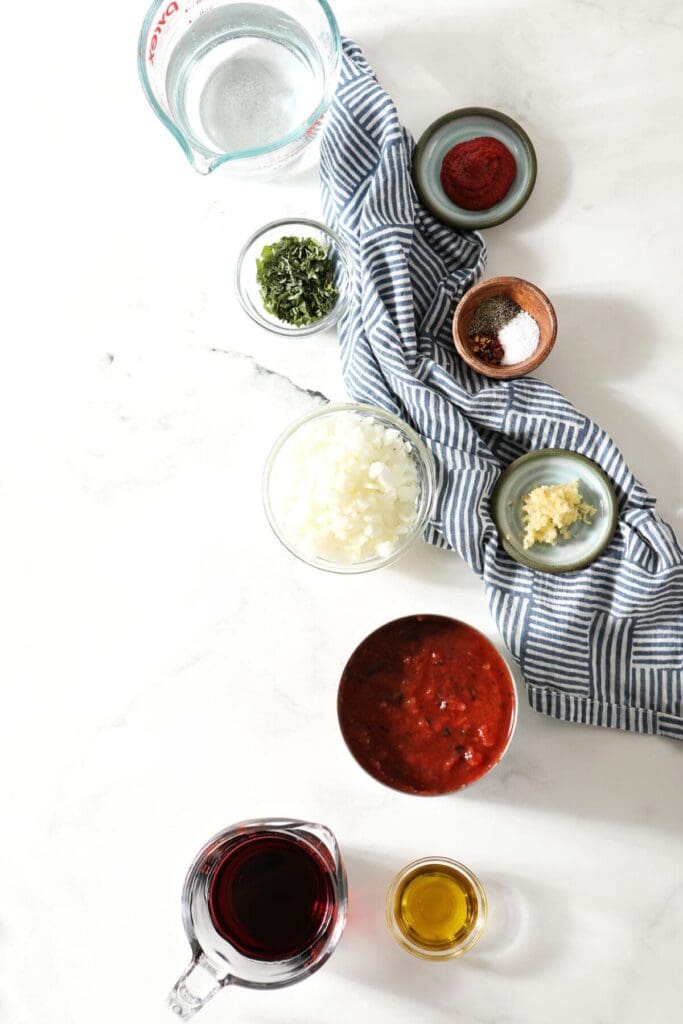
(195,987)
(201,163)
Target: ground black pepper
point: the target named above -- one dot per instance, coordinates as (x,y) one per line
(492,315)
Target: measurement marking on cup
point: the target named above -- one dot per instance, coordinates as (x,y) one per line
(171,9)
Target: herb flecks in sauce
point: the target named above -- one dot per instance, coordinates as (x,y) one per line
(296,280)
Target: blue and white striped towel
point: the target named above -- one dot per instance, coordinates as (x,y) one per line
(603,645)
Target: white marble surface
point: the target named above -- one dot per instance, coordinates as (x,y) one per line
(168,668)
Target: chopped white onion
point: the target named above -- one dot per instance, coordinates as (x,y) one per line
(345,488)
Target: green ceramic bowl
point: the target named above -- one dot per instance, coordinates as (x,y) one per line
(459,126)
(555,466)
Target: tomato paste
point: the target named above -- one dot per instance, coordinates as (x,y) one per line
(426,704)
(478,173)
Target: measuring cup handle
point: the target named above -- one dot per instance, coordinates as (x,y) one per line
(195,987)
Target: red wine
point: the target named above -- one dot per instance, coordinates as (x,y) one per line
(271,896)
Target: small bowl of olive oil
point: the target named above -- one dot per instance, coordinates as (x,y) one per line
(436,908)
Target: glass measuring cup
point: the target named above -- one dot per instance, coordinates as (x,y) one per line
(264,905)
(244,84)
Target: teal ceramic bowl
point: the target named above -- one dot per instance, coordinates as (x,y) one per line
(459,126)
(555,466)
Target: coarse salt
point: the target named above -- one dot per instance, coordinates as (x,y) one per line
(345,488)
(519,338)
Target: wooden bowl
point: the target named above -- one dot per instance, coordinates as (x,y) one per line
(528,297)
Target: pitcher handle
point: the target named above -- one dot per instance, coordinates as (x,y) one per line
(195,987)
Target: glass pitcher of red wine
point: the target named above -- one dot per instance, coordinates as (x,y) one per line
(264,905)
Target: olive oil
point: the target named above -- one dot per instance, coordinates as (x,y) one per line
(436,908)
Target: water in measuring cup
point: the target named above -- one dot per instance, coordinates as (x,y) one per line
(244,76)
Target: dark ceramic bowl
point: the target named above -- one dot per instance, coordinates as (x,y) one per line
(460,126)
(587,541)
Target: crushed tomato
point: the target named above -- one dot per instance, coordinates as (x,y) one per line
(426,704)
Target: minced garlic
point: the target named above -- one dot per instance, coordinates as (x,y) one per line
(551,509)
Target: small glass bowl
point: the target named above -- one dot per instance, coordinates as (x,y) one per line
(468,941)
(426,477)
(248,291)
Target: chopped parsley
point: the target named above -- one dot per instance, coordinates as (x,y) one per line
(296,279)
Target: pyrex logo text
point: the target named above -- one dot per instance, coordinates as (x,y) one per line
(171,9)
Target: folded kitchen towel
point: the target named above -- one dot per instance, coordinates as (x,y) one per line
(603,645)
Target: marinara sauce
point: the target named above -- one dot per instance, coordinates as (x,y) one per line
(426,704)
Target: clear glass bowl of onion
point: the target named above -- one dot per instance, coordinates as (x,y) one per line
(349,487)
